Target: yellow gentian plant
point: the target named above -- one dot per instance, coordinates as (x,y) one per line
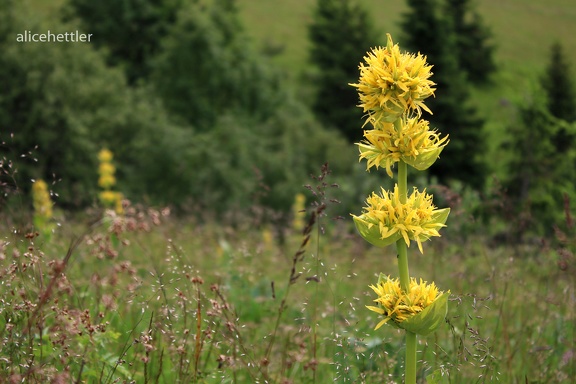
(392,89)
(42,209)
(107,180)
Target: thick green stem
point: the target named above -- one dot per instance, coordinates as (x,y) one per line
(401,244)
(402,181)
(402,250)
(410,372)
(410,363)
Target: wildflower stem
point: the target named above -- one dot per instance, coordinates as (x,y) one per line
(402,248)
(410,364)
(402,181)
(400,244)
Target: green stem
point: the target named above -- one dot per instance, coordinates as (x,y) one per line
(402,250)
(403,181)
(401,244)
(410,363)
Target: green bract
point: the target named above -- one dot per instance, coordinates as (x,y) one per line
(386,219)
(427,321)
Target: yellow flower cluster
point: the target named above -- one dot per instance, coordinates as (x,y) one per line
(107,180)
(41,200)
(386,219)
(409,139)
(392,89)
(398,306)
(392,83)
(298,210)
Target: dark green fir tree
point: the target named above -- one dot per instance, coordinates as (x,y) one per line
(541,169)
(341,33)
(474,50)
(428,32)
(559,85)
(130,30)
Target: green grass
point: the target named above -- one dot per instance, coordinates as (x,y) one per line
(168,300)
(523,29)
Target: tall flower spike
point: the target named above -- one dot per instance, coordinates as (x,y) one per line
(392,83)
(41,200)
(410,140)
(386,219)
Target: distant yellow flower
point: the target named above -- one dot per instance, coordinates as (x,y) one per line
(392,82)
(298,210)
(110,198)
(106,180)
(410,140)
(41,200)
(105,156)
(386,219)
(421,310)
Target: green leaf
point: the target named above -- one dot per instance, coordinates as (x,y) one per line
(371,233)
(424,160)
(429,319)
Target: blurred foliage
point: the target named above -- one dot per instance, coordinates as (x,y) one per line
(63,103)
(542,169)
(130,30)
(207,68)
(428,31)
(475,53)
(340,35)
(199,119)
(558,83)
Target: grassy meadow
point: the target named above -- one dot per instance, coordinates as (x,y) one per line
(148,297)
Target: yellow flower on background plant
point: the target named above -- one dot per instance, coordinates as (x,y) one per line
(386,219)
(41,200)
(392,83)
(106,171)
(42,209)
(109,198)
(105,156)
(299,212)
(107,180)
(421,310)
(410,140)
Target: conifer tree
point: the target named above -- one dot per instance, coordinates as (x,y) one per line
(559,85)
(541,169)
(426,31)
(207,68)
(130,30)
(341,32)
(475,53)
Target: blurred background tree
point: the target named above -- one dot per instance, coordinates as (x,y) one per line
(341,33)
(541,169)
(558,84)
(207,68)
(129,30)
(429,29)
(474,50)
